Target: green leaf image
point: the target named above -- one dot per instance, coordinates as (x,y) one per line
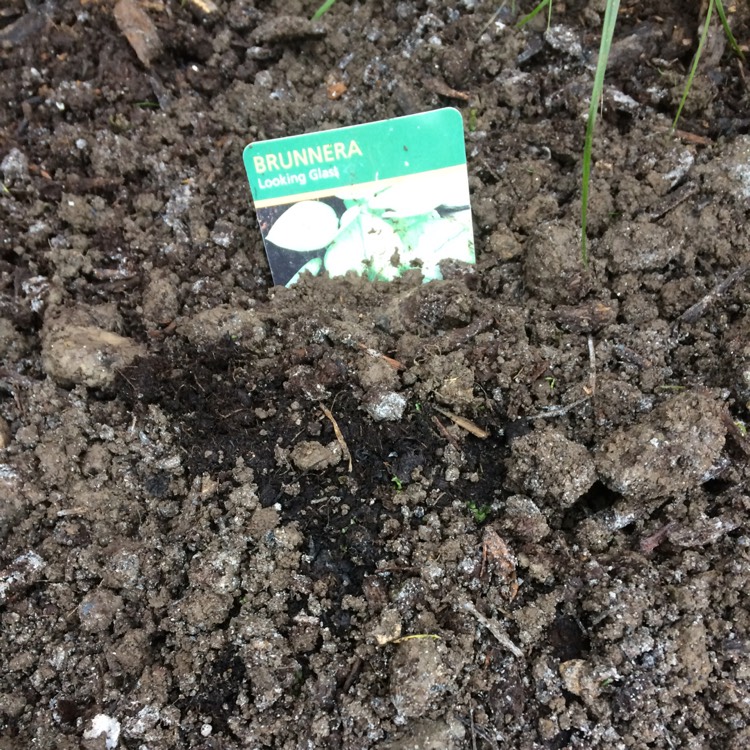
(385,230)
(313,267)
(433,238)
(366,245)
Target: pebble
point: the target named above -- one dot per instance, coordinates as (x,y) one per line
(5,436)
(22,572)
(310,455)
(418,677)
(98,609)
(385,406)
(87,355)
(15,166)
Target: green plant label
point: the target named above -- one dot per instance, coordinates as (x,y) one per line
(375,199)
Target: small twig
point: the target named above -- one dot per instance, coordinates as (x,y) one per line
(558,411)
(446,434)
(440,87)
(672,200)
(416,636)
(496,551)
(699,308)
(207,7)
(464,423)
(684,135)
(592,367)
(158,333)
(741,70)
(631,357)
(456,338)
(492,20)
(339,436)
(353,672)
(477,730)
(652,541)
(494,628)
(394,363)
(232,413)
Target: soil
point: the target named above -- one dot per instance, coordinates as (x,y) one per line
(508,509)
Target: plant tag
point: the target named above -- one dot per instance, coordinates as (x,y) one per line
(376,199)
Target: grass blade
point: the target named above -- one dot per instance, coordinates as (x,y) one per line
(327,5)
(728,32)
(540,7)
(608,31)
(694,66)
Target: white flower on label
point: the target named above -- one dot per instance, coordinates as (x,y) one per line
(305,226)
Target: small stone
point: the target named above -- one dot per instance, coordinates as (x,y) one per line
(375,372)
(418,677)
(585,679)
(98,609)
(5,436)
(574,673)
(15,166)
(503,245)
(656,247)
(385,406)
(548,728)
(160,300)
(523,517)
(388,628)
(452,474)
(123,568)
(457,390)
(513,87)
(87,355)
(310,455)
(24,571)
(105,725)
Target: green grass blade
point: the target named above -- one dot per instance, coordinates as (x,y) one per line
(327,5)
(694,66)
(538,9)
(728,32)
(608,32)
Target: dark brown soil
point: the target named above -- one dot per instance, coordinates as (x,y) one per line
(509,509)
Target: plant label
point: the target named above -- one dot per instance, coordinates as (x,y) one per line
(375,199)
